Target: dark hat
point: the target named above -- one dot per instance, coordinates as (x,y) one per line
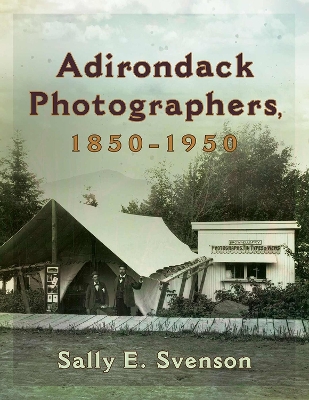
(94,273)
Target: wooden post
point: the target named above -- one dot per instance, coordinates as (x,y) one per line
(54,248)
(203,279)
(183,284)
(54,233)
(93,252)
(23,291)
(193,284)
(162,296)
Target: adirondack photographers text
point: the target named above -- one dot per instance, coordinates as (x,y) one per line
(138,109)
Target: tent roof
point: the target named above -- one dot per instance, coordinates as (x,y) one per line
(145,244)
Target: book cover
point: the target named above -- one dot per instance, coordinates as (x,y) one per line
(125,106)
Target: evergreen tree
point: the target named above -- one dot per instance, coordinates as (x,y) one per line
(256,182)
(20,193)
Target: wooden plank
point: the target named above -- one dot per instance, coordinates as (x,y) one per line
(86,323)
(99,322)
(20,316)
(173,325)
(266,327)
(48,322)
(250,326)
(3,316)
(146,324)
(121,322)
(180,272)
(133,322)
(234,325)
(18,321)
(203,280)
(6,320)
(66,320)
(296,327)
(280,327)
(183,284)
(204,325)
(32,320)
(220,325)
(162,296)
(193,284)
(73,322)
(37,266)
(23,291)
(161,324)
(306,325)
(105,323)
(185,324)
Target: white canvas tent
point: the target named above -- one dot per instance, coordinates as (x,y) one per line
(145,244)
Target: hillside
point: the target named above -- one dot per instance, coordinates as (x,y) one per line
(112,189)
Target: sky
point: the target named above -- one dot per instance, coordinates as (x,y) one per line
(36,37)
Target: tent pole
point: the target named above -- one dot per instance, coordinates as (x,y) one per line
(93,252)
(54,233)
(23,291)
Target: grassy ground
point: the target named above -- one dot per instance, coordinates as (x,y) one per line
(29,367)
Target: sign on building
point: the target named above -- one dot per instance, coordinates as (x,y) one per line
(52,285)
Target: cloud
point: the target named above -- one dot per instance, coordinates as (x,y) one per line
(302,40)
(96,32)
(93,17)
(170,36)
(209,30)
(57,30)
(154,29)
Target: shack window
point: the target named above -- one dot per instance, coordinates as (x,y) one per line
(258,271)
(235,271)
(243,271)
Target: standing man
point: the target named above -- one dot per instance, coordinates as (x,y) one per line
(124,295)
(96,296)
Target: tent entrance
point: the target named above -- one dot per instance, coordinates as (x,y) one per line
(73,301)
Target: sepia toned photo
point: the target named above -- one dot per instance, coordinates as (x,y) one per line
(154,200)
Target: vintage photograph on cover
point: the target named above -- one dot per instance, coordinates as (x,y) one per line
(153,204)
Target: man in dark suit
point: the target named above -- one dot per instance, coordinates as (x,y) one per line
(124,295)
(96,296)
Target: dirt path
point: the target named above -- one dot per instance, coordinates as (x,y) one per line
(29,367)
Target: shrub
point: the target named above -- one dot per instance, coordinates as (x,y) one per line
(238,294)
(11,302)
(199,307)
(271,301)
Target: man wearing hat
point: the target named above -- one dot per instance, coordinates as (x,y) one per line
(124,295)
(96,296)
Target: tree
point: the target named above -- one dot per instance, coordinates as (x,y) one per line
(255,182)
(20,193)
(90,198)
(301,254)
